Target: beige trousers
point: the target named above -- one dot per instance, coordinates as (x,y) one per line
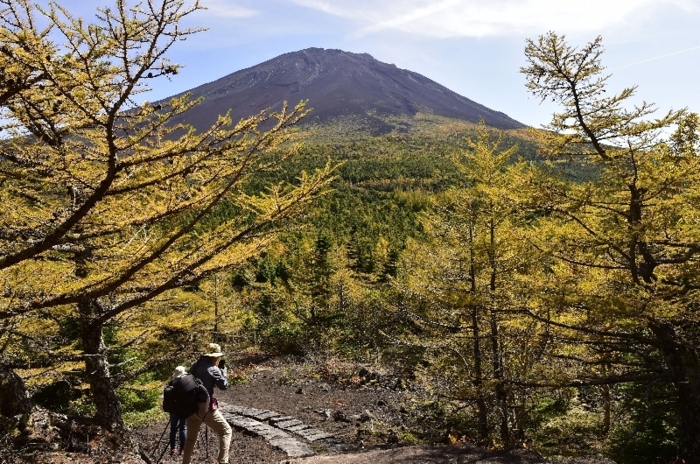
(215,421)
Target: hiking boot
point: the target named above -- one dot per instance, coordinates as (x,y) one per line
(181,452)
(174,452)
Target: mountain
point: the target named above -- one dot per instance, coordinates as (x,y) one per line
(337,84)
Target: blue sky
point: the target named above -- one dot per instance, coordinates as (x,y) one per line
(474,47)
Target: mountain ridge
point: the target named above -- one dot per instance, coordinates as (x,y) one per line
(336,83)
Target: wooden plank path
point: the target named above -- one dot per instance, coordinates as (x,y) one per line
(278,430)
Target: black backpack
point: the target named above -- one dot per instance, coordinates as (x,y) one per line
(183,395)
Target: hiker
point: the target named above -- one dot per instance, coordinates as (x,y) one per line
(207,370)
(178,425)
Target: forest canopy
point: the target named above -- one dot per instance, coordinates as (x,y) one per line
(106,206)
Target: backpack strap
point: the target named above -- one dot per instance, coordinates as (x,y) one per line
(195,367)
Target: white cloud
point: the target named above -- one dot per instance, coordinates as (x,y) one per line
(479,18)
(227,9)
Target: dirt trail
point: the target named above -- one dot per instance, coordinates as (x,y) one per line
(364,419)
(357,422)
(462,454)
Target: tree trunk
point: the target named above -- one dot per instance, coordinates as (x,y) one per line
(14,399)
(684,363)
(689,433)
(108,412)
(478,379)
(501,394)
(216,306)
(606,409)
(476,333)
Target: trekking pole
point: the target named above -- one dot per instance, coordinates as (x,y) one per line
(206,437)
(158,444)
(200,440)
(203,441)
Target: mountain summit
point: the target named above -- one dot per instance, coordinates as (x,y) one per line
(336,83)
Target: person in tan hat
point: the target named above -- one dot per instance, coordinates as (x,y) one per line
(207,370)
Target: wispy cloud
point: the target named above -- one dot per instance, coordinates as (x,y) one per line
(679,52)
(477,18)
(227,9)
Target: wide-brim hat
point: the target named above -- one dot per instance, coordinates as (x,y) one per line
(179,372)
(213,350)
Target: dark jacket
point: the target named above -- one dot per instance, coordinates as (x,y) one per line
(210,375)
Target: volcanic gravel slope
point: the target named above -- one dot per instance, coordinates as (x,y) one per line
(363,420)
(345,415)
(287,390)
(336,84)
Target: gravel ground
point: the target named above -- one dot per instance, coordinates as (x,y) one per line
(363,410)
(365,415)
(323,403)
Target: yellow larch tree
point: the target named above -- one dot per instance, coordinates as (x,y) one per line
(460,291)
(105,204)
(619,216)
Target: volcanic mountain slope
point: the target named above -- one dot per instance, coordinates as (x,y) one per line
(337,84)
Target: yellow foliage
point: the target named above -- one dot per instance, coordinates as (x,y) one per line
(106,204)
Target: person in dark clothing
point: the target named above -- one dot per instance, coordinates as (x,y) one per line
(207,370)
(178,425)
